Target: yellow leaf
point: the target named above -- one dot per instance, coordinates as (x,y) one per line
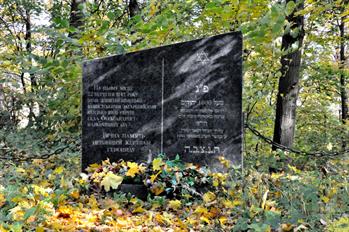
(325,199)
(153,177)
(92,167)
(277,194)
(92,202)
(17,213)
(345,13)
(20,170)
(157,163)
(237,202)
(59,170)
(2,200)
(75,194)
(40,229)
(205,219)
(294,169)
(139,209)
(174,204)
(38,190)
(201,210)
(153,8)
(215,183)
(329,146)
(332,192)
(158,189)
(226,163)
(134,200)
(223,220)
(286,227)
(209,197)
(111,180)
(276,176)
(106,162)
(133,169)
(160,219)
(63,183)
(264,199)
(2,229)
(228,204)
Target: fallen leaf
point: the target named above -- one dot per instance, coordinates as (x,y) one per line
(58,170)
(264,199)
(2,200)
(75,194)
(209,197)
(174,204)
(325,199)
(138,210)
(286,227)
(223,220)
(133,169)
(111,180)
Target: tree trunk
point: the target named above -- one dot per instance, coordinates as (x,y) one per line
(23,83)
(76,16)
(133,8)
(33,83)
(343,90)
(285,119)
(2,99)
(28,39)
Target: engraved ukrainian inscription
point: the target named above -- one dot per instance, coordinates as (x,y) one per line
(116,107)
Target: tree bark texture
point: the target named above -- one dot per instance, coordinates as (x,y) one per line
(285,119)
(133,8)
(76,16)
(343,82)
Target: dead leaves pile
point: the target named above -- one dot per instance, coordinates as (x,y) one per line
(175,202)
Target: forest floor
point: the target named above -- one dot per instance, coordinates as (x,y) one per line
(270,195)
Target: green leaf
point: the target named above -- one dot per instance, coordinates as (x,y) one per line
(62,23)
(29,212)
(273,219)
(111,15)
(290,7)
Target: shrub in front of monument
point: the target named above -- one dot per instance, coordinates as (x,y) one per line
(162,177)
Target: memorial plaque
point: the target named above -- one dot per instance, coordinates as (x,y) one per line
(181,99)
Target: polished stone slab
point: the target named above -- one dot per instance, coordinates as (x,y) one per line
(184,99)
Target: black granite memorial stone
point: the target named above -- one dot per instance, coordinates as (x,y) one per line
(181,99)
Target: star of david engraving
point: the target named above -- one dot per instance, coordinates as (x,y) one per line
(202,57)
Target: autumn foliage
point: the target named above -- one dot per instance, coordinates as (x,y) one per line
(181,197)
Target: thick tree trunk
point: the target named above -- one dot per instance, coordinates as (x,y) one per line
(343,90)
(285,119)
